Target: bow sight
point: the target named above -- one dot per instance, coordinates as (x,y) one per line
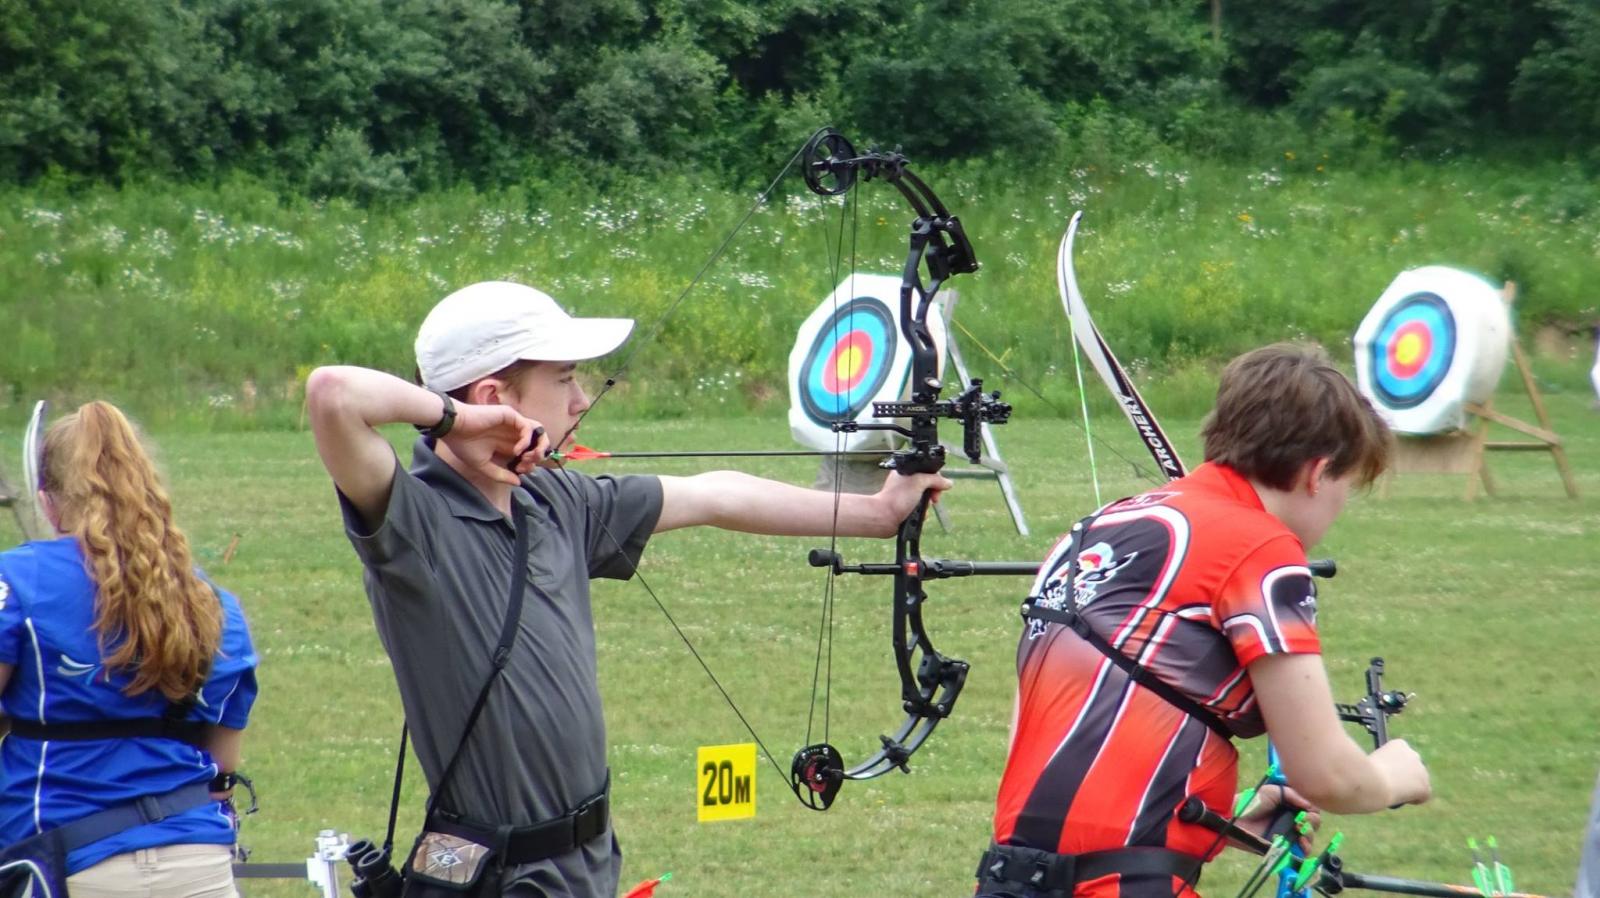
(1374,708)
(973,408)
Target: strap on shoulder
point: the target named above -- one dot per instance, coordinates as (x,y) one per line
(1032,609)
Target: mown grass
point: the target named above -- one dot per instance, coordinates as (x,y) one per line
(1484,610)
(210,304)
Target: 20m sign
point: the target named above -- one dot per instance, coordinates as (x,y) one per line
(726,775)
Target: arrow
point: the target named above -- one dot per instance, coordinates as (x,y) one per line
(585,453)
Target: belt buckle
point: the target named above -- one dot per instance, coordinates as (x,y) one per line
(1054,873)
(583,830)
(150,809)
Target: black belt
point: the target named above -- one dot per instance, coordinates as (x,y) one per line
(192,732)
(1050,874)
(537,841)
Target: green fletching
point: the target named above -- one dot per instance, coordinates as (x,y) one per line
(1282,864)
(1245,798)
(1302,877)
(1302,824)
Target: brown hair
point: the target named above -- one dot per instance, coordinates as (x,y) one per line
(1281,406)
(159,621)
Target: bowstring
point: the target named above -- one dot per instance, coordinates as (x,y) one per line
(649,337)
(835,255)
(761,199)
(826,626)
(1083,403)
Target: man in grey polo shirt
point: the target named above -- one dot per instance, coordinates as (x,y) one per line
(497,362)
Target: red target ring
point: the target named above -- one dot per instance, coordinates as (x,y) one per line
(1410,349)
(849,362)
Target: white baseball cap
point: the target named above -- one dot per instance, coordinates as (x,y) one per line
(481,329)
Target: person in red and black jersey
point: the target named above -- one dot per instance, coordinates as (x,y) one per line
(1203,583)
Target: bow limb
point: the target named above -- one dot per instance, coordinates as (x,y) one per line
(1105,363)
(29,512)
(33,450)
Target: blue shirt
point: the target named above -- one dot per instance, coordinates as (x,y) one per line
(47,635)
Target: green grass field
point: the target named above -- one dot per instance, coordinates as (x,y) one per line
(1483,610)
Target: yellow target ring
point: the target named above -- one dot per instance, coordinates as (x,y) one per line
(849,363)
(1408,349)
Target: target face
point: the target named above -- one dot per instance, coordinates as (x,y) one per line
(847,354)
(848,362)
(1434,343)
(1413,351)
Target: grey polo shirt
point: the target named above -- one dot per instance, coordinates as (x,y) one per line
(438,575)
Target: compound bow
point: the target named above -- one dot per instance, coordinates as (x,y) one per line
(1326,872)
(930,682)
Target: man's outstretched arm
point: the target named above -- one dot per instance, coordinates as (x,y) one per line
(735,501)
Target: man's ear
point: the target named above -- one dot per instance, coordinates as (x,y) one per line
(486,391)
(1315,473)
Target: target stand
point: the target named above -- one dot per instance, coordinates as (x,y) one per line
(1465,450)
(991,466)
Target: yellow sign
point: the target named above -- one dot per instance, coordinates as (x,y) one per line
(726,775)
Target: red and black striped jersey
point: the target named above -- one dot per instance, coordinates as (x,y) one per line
(1194,581)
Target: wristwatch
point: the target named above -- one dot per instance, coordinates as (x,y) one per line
(446,420)
(222,782)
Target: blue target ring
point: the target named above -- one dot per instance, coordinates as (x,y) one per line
(1415,346)
(849,361)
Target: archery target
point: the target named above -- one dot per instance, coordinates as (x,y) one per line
(1418,340)
(849,362)
(847,355)
(1434,341)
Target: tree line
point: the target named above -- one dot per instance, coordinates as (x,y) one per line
(380,98)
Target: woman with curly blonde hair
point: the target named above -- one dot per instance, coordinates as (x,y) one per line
(127,678)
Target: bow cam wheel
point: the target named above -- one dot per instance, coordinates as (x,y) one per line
(816,775)
(826,158)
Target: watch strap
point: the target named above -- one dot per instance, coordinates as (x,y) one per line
(447,419)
